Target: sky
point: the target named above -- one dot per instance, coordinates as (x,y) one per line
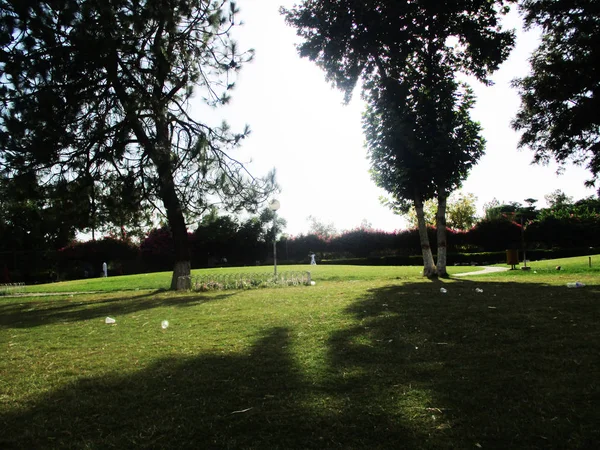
(301,127)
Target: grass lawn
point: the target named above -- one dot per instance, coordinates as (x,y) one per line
(369,358)
(162,280)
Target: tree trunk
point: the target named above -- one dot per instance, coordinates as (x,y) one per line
(429,269)
(176,221)
(158,149)
(168,194)
(440,224)
(181,280)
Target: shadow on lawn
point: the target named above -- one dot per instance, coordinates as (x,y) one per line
(50,310)
(256,400)
(514,366)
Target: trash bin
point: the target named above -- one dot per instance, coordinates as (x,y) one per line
(512,258)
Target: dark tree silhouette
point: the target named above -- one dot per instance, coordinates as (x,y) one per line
(100,90)
(421,139)
(560,99)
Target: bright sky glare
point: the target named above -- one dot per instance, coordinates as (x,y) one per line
(301,127)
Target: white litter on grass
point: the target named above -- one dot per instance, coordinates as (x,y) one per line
(577,284)
(478,290)
(164,324)
(312,283)
(443,290)
(110,320)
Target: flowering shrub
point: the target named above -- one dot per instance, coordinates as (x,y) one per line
(497,234)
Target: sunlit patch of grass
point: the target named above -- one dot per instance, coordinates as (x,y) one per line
(162,280)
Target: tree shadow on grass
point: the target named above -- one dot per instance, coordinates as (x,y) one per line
(256,400)
(514,366)
(44,311)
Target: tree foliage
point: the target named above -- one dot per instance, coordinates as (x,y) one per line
(321,229)
(560,99)
(461,211)
(420,137)
(97,93)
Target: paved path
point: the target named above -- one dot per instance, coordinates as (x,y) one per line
(486,269)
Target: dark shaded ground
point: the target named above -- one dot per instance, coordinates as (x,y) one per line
(516,366)
(46,311)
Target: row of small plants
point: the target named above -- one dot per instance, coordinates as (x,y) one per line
(10,288)
(221,282)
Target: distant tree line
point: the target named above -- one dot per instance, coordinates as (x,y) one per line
(224,240)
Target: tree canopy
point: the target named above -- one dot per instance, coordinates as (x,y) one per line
(461,212)
(420,137)
(97,92)
(560,99)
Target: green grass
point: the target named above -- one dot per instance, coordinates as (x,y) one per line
(162,280)
(369,358)
(571,269)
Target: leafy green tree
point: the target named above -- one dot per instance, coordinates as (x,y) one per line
(558,199)
(495,210)
(33,226)
(429,211)
(321,229)
(511,211)
(272,224)
(461,211)
(101,89)
(591,204)
(560,99)
(420,137)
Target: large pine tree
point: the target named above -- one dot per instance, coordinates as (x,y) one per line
(100,90)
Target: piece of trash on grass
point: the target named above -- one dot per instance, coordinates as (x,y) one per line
(443,290)
(312,283)
(577,284)
(164,324)
(110,320)
(491,307)
(242,410)
(478,290)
